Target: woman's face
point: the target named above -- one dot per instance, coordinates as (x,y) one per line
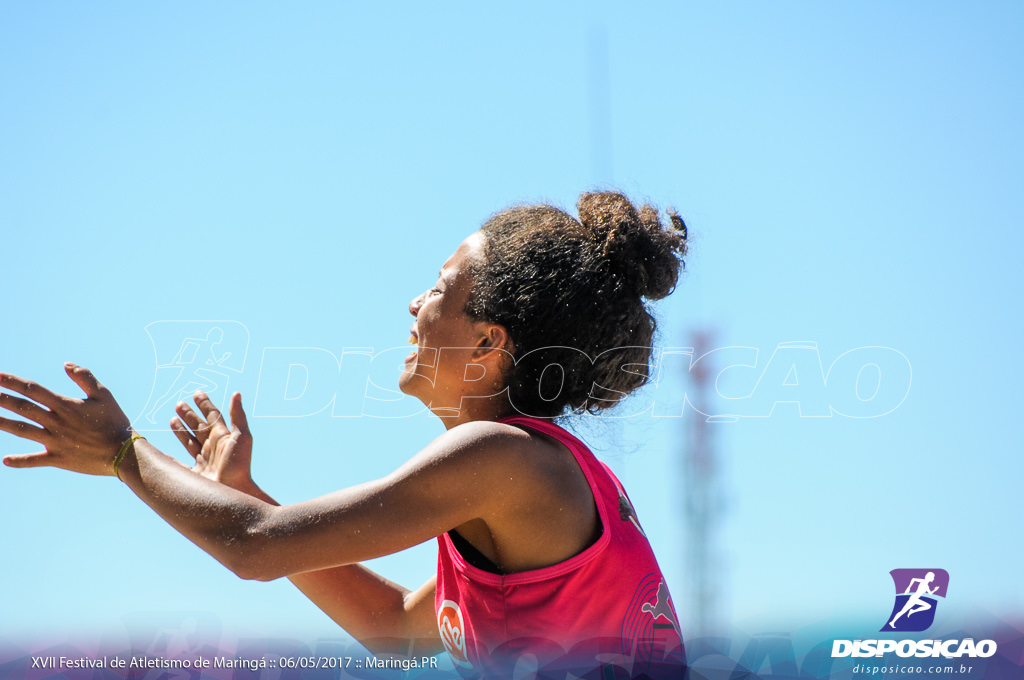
(445,365)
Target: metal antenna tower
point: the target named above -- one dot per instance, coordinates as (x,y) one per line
(702,497)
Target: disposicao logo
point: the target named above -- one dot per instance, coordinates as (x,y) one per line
(913,612)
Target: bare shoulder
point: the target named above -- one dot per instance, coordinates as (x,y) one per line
(492,440)
(488,432)
(490,452)
(517,496)
(539,509)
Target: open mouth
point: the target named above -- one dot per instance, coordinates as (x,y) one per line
(413,340)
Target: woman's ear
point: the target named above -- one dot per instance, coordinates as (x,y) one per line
(494,341)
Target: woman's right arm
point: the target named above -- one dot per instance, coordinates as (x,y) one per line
(383,616)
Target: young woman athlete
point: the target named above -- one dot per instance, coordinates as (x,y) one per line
(542,562)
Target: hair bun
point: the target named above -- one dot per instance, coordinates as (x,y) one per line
(639,250)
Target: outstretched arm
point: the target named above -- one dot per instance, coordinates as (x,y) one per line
(380,614)
(383,616)
(448,483)
(88,435)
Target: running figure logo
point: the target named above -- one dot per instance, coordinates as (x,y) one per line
(914,609)
(190,356)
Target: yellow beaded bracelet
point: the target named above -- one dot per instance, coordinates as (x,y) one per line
(124,449)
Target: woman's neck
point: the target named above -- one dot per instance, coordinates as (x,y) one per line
(476,408)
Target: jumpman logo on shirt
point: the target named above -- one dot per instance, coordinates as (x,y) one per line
(661,608)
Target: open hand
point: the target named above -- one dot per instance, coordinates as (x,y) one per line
(222,453)
(81,435)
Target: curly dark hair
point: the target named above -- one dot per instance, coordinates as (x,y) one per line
(571,294)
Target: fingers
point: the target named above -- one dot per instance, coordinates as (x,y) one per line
(20,428)
(200,428)
(27,388)
(190,443)
(28,460)
(25,408)
(213,415)
(239,422)
(84,378)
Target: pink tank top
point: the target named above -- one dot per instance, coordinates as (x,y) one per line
(606,607)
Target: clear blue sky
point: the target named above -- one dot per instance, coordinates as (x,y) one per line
(851,173)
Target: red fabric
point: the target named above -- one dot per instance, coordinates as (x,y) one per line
(605,612)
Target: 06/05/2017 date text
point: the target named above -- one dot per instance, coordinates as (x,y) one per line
(357,662)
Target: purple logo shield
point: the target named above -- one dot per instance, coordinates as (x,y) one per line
(916,590)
